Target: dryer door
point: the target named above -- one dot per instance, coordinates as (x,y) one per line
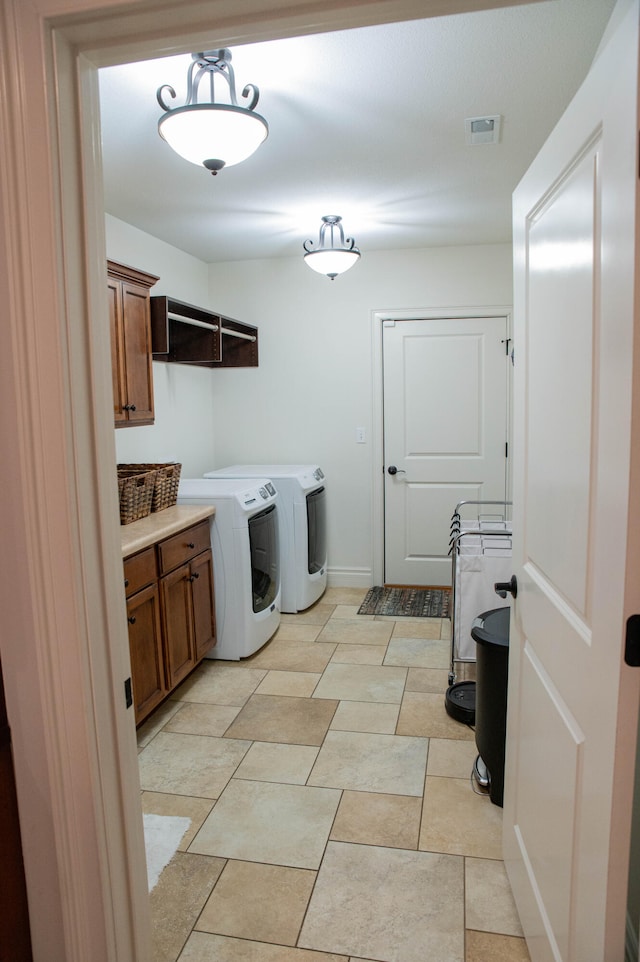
(317,530)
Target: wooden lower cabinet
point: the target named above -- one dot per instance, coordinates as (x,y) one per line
(178,629)
(204,615)
(171,618)
(146,650)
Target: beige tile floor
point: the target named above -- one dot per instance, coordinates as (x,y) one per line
(332,813)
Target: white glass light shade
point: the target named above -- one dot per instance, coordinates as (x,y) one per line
(218,132)
(333,254)
(331,262)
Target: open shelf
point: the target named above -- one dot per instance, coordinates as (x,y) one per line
(184,334)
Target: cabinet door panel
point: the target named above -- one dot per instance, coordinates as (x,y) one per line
(145,646)
(178,633)
(137,339)
(114,289)
(204,616)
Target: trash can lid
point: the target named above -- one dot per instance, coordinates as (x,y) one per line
(492,627)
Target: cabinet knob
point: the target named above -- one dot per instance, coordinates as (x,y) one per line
(132,620)
(126,582)
(132,407)
(196,575)
(190,544)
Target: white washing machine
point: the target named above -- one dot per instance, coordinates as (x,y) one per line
(246,560)
(303,527)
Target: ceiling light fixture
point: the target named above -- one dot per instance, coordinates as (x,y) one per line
(329,257)
(215,135)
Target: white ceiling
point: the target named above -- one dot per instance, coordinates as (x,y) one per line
(366,123)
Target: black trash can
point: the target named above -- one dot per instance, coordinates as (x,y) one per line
(490,631)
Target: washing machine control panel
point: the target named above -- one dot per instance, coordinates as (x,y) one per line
(264,492)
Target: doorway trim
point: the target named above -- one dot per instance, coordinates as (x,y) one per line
(377,361)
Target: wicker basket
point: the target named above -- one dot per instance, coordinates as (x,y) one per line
(166,480)
(136,493)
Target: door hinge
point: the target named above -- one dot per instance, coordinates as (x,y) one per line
(506,449)
(128,695)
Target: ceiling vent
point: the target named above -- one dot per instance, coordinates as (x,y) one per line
(482,130)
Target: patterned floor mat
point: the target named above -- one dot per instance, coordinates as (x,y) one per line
(407,602)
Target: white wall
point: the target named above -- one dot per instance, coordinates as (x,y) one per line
(314,384)
(183,396)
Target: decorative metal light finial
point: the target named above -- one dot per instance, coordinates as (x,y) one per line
(214,134)
(330,257)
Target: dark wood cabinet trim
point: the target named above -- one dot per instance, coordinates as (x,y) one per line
(122,272)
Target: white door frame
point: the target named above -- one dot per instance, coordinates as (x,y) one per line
(377,318)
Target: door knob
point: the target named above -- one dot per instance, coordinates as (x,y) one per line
(502,587)
(393,470)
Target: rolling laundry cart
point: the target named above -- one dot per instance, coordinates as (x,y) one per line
(481,549)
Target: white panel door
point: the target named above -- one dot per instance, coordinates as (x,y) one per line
(572,702)
(445,433)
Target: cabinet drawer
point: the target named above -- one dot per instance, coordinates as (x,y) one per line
(140,570)
(183,546)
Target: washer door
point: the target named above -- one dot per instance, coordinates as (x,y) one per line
(265,559)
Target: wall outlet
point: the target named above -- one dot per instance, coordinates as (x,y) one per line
(361,436)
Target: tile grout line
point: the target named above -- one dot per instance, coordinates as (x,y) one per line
(339,702)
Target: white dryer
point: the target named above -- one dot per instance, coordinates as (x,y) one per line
(246,560)
(302,520)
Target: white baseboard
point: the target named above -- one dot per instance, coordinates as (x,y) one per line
(349,577)
(631,942)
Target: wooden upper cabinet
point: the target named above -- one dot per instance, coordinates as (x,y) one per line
(130,322)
